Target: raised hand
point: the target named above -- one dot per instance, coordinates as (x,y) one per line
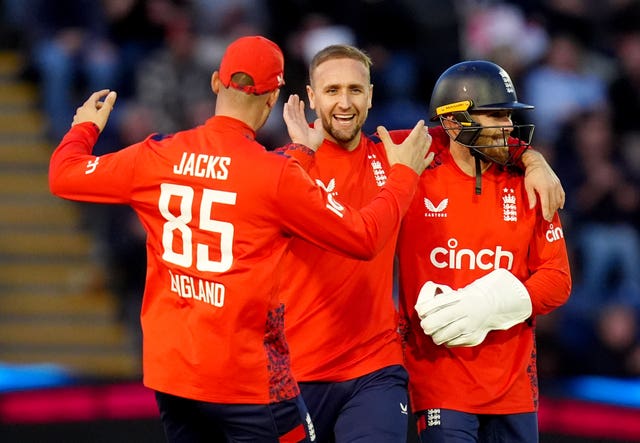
(412,152)
(297,126)
(95,110)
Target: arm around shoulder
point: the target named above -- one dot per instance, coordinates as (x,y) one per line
(541,180)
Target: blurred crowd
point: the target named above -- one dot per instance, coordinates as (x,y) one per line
(577,61)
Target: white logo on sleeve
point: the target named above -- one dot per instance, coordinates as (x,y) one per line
(332,204)
(92,165)
(404,409)
(554,233)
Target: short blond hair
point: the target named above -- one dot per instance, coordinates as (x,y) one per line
(333,52)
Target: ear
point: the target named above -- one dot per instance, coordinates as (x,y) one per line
(448,122)
(370,97)
(215,82)
(311,96)
(451,126)
(273,98)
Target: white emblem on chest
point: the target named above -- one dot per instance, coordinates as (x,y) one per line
(509,209)
(378,170)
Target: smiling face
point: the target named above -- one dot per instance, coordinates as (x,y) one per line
(340,93)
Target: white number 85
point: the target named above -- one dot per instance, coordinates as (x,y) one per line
(180,223)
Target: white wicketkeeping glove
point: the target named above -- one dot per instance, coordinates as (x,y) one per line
(428,291)
(464,317)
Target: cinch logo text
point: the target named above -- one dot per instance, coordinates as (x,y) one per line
(454,258)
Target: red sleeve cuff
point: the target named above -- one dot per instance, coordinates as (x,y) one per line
(302,153)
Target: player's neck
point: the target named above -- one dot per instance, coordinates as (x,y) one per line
(349,145)
(465,160)
(252,110)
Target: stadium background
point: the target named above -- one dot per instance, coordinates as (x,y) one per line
(71,275)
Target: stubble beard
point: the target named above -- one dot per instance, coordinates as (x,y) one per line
(498,154)
(342,136)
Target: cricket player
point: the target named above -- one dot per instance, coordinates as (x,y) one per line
(476,266)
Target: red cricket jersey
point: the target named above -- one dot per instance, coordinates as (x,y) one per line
(219,211)
(341,320)
(452,236)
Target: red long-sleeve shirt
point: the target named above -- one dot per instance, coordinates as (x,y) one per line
(341,320)
(219,211)
(452,236)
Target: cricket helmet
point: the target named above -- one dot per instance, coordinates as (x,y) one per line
(484,84)
(479,86)
(476,86)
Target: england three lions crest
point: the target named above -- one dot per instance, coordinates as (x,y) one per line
(509,208)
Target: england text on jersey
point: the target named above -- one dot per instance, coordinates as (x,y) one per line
(203,290)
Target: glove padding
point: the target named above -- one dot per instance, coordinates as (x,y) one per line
(464,317)
(428,291)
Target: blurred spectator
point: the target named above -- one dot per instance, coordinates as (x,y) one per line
(314,31)
(220,18)
(13,19)
(602,205)
(396,78)
(586,20)
(560,87)
(135,27)
(218,22)
(433,19)
(79,45)
(398,69)
(320,32)
(630,151)
(502,33)
(624,89)
(172,82)
(71,54)
(615,349)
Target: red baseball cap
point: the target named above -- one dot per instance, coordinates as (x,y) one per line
(258,57)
